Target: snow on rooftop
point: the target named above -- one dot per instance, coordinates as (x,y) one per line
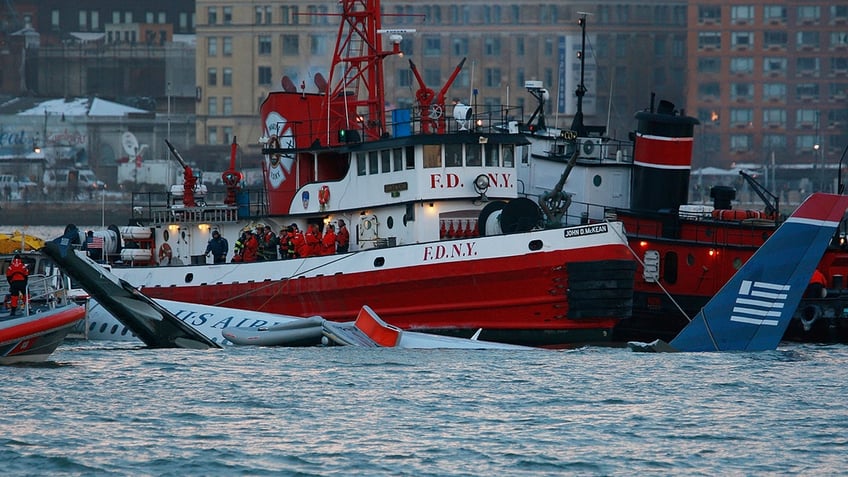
(80,107)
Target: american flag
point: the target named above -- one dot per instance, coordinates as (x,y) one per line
(96,242)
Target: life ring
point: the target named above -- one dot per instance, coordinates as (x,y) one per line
(165,253)
(324,195)
(274,143)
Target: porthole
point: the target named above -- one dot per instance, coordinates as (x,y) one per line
(189,277)
(690,259)
(597,180)
(390,222)
(103,327)
(114,329)
(535,245)
(379,261)
(166,235)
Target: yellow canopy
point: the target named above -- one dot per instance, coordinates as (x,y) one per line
(18,242)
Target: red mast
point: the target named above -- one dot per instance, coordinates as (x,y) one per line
(356,74)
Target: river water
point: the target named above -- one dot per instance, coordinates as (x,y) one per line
(102,408)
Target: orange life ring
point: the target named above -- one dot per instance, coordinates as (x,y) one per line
(164,252)
(324,195)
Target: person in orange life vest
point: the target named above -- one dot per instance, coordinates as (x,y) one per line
(299,242)
(313,241)
(251,247)
(818,285)
(17,275)
(328,243)
(342,238)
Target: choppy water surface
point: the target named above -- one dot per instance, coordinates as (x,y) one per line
(102,408)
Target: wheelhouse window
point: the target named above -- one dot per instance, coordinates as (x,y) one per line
(397,157)
(453,155)
(491,153)
(432,156)
(472,155)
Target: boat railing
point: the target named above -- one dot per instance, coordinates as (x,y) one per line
(158,208)
(402,122)
(41,291)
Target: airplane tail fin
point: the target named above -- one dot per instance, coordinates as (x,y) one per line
(753,309)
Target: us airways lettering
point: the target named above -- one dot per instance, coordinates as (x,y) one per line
(196,319)
(586,230)
(449,251)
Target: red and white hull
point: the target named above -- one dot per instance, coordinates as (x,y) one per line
(33,338)
(549,288)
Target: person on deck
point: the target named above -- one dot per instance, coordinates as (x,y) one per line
(218,247)
(251,247)
(342,238)
(818,285)
(17,275)
(328,243)
(298,242)
(313,241)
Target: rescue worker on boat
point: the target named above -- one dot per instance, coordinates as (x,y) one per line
(269,244)
(818,285)
(218,247)
(238,247)
(17,275)
(328,243)
(342,238)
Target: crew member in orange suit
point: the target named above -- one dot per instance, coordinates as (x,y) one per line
(17,275)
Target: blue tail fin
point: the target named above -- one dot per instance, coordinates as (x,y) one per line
(753,309)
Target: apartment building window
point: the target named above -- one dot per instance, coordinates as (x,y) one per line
(83,20)
(227,77)
(462,79)
(227,46)
(116,17)
(774,65)
(95,20)
(708,90)
(257,15)
(228,15)
(837,117)
(839,90)
(404,77)
(709,14)
(807,65)
(406,46)
(740,142)
(839,39)
(839,64)
(492,46)
(264,75)
(432,76)
(433,14)
(212,77)
(291,45)
(774,91)
(493,77)
(460,46)
(742,14)
(741,91)
(774,141)
(128,17)
(432,46)
(709,39)
(807,39)
(741,116)
(774,117)
(742,39)
(318,44)
(213,106)
(805,143)
(775,39)
(268,15)
(659,46)
(709,64)
(516,14)
(520,76)
(602,46)
(807,118)
(838,12)
(183,21)
(212,46)
(549,47)
(742,65)
(227,134)
(807,90)
(212,15)
(228,106)
(809,13)
(148,17)
(162,17)
(774,14)
(288,15)
(264,44)
(54,19)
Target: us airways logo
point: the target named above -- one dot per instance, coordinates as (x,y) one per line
(759,303)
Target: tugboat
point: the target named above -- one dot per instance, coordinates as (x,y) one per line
(686,252)
(441,240)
